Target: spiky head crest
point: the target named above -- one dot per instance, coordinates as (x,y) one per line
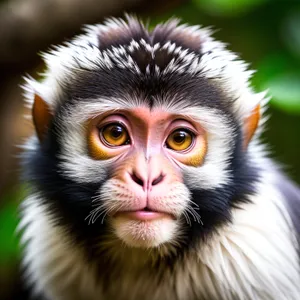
(170,48)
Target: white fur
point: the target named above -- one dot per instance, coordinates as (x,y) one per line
(253,258)
(145,234)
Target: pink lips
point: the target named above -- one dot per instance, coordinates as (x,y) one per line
(144,215)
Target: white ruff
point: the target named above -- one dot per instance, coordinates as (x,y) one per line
(254,258)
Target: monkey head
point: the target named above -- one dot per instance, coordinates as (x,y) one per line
(143,137)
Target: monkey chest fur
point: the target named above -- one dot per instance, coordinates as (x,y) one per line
(245,260)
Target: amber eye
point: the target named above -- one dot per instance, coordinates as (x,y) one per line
(114,135)
(180,140)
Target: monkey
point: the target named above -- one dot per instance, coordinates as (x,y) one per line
(146,175)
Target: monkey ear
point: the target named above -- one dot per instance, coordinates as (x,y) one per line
(41,115)
(250,125)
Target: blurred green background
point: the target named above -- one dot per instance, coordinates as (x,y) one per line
(265,33)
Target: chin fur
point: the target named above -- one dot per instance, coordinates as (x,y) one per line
(145,234)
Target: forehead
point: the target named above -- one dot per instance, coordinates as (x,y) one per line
(144,115)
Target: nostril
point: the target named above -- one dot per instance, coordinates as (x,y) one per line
(136,179)
(158,179)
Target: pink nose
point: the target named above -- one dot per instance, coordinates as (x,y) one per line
(147,183)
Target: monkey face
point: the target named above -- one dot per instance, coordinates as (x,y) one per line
(138,171)
(146,142)
(145,197)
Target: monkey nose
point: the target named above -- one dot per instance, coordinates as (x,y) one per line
(137,178)
(156,180)
(146,183)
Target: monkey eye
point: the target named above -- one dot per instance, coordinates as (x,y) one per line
(180,140)
(114,135)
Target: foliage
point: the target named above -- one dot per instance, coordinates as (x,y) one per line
(228,7)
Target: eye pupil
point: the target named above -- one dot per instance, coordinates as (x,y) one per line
(116,132)
(179,137)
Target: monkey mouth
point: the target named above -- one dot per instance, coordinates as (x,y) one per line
(145,214)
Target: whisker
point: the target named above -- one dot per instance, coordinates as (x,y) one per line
(197,206)
(196,216)
(95,213)
(102,209)
(188,220)
(192,212)
(107,212)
